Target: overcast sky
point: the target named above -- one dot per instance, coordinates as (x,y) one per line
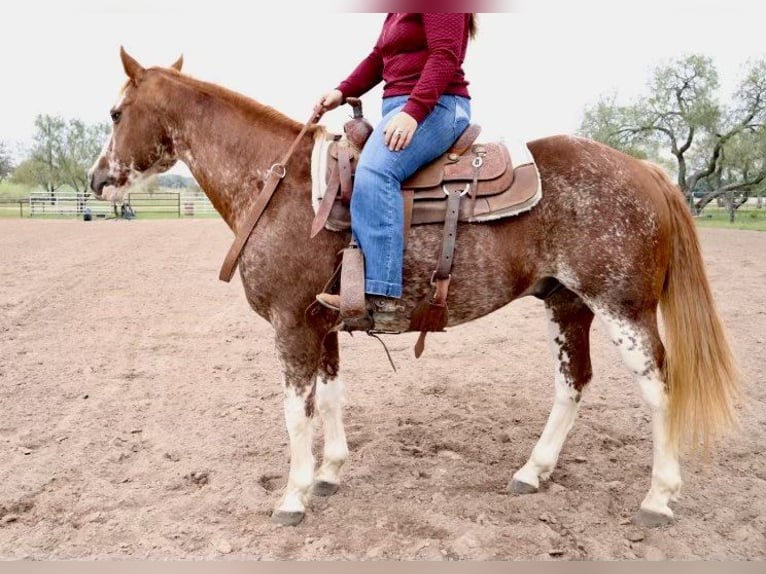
(534,67)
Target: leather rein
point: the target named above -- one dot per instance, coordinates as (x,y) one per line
(276,173)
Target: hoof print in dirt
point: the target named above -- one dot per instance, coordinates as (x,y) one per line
(287,518)
(518,487)
(324,488)
(651,519)
(197,478)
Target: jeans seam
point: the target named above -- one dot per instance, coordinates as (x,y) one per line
(389,216)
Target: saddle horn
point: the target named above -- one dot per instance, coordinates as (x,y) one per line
(357,129)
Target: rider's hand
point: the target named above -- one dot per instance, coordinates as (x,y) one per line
(399,131)
(330,100)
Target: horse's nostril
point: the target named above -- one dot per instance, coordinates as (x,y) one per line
(99,181)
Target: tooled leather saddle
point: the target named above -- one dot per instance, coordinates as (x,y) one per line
(472,182)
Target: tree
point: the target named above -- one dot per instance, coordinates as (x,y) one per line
(682,121)
(174,181)
(43,167)
(740,172)
(6,164)
(82,145)
(62,153)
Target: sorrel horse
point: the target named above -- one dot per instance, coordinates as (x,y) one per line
(611,230)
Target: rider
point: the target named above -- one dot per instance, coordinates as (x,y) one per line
(426,106)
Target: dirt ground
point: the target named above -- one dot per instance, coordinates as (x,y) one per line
(141,417)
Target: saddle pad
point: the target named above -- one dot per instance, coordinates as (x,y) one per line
(319,162)
(519,152)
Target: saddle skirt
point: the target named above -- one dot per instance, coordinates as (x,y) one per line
(497,180)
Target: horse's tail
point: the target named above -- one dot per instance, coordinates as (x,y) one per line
(700,370)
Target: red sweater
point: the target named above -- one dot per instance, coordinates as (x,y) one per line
(419,55)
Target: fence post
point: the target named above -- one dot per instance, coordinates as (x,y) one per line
(21,208)
(178,197)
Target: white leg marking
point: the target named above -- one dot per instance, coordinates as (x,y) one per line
(299,427)
(666,472)
(563,414)
(635,350)
(330,401)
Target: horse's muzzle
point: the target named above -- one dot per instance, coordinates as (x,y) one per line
(99,179)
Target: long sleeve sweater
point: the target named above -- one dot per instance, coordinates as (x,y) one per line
(416,54)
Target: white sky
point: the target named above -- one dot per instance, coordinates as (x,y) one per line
(532,69)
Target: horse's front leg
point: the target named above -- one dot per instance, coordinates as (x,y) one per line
(299,350)
(330,400)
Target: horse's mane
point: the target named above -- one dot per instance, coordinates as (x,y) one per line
(249,106)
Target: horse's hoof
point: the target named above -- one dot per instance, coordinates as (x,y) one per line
(324,488)
(651,519)
(287,518)
(518,487)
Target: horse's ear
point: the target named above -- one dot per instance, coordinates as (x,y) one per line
(132,68)
(178,63)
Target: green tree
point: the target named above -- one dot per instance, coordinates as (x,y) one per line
(6,163)
(682,122)
(740,173)
(82,145)
(61,154)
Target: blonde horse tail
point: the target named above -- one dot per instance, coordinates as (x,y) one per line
(700,370)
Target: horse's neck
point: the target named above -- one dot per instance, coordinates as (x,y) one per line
(229,150)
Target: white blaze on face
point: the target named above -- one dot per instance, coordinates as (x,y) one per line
(114,165)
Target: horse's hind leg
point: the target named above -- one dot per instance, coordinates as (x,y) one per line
(643,353)
(329,400)
(568,333)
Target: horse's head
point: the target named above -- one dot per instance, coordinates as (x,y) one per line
(141,143)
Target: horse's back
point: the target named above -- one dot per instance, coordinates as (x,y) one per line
(594,167)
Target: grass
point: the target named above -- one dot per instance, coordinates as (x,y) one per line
(12,210)
(751,219)
(13,191)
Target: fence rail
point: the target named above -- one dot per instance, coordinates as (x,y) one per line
(68,203)
(42,203)
(155,203)
(9,207)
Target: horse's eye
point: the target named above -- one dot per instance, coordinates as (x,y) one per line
(115,116)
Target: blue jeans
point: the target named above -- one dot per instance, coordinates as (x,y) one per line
(377,207)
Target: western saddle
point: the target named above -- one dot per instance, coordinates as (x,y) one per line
(471,182)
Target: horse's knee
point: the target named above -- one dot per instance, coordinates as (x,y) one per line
(329,395)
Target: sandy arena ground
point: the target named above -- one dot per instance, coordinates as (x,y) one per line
(141,417)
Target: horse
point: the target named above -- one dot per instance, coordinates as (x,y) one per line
(612,232)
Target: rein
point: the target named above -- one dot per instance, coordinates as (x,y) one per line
(276,173)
